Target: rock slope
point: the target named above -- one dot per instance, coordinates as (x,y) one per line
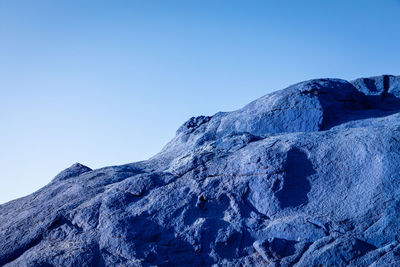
(305,176)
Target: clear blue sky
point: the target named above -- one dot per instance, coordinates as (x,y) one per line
(108,82)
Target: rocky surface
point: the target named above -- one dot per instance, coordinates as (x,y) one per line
(305,176)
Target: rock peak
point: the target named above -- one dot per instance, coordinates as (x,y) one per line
(74,170)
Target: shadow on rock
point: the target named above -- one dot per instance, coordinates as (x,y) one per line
(366,99)
(295,185)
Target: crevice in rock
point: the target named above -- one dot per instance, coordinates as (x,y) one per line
(61,220)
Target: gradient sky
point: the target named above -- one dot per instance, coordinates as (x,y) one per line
(109,82)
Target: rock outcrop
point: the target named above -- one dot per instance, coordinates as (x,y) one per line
(305,176)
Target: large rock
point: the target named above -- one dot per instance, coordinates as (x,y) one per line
(305,176)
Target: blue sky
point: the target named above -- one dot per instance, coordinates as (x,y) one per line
(109,82)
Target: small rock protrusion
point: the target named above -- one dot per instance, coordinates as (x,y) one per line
(193,123)
(201,201)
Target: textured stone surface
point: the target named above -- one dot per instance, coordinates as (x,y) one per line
(305,176)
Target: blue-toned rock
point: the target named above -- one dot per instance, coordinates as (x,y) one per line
(305,176)
(73,171)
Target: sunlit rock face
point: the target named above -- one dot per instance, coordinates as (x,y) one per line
(305,176)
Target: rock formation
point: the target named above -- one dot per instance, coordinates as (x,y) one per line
(305,176)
